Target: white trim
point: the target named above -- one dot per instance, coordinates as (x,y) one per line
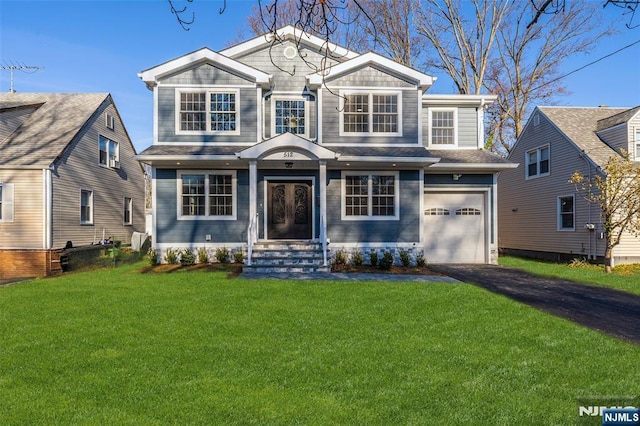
(259,114)
(91,207)
(193,86)
(206,173)
(156,116)
(430,111)
(559,227)
(154,207)
(369,216)
(265,194)
(109,121)
(124,207)
(47,211)
(8,202)
(538,151)
(479,100)
(287,142)
(280,97)
(370,94)
(208,90)
(636,143)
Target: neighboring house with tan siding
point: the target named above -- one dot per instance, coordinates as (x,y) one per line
(541,215)
(67,173)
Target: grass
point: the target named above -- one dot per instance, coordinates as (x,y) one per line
(623,277)
(117,346)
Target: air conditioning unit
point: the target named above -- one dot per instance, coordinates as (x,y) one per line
(114,164)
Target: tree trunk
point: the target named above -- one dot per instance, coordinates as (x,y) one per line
(608,259)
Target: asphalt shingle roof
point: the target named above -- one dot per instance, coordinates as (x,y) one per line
(44,135)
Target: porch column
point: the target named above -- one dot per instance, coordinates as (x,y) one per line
(323,192)
(253,195)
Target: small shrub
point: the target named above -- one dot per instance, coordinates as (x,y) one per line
(421,261)
(222,255)
(386,262)
(405,258)
(238,257)
(578,262)
(357,259)
(187,258)
(373,258)
(171,256)
(152,255)
(341,258)
(203,255)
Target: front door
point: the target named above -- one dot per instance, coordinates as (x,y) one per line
(289,210)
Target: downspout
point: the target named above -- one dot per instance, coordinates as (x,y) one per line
(264,97)
(591,254)
(47,210)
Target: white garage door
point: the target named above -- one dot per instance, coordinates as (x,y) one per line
(454,229)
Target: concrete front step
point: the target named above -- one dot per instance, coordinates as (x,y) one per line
(286,257)
(275,269)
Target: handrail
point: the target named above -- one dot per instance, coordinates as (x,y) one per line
(251,239)
(323,238)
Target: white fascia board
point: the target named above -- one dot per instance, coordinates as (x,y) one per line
(478,100)
(377,159)
(424,81)
(283,142)
(159,158)
(288,33)
(473,166)
(151,76)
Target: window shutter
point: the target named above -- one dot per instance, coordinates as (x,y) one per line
(7,202)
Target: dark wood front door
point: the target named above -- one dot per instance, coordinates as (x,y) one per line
(289,210)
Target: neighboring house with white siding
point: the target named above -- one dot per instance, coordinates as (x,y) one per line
(67,173)
(541,215)
(254,150)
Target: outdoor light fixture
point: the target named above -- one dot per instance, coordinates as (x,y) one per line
(288,164)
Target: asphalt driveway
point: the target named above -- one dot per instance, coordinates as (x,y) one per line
(614,312)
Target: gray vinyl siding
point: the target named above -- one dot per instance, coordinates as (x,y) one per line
(467,125)
(527,213)
(371,76)
(633,125)
(205,74)
(331,109)
(404,230)
(79,169)
(617,137)
(170,230)
(11,119)
(167,119)
(25,232)
(466,179)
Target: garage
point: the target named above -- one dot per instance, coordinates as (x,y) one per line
(454,227)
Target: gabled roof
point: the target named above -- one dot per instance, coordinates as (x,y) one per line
(50,128)
(204,55)
(288,33)
(424,81)
(579,125)
(616,119)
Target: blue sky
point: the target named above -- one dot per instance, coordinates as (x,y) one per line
(101,46)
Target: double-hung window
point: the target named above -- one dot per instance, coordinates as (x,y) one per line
(442,129)
(289,116)
(537,161)
(86,207)
(207,111)
(6,202)
(637,144)
(109,153)
(370,196)
(371,113)
(127,209)
(207,195)
(566,210)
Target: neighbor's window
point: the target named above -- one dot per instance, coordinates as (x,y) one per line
(370,195)
(86,207)
(637,144)
(566,210)
(127,209)
(289,116)
(6,202)
(537,161)
(207,195)
(208,112)
(371,113)
(109,121)
(443,126)
(109,152)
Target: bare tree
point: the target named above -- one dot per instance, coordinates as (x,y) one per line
(615,189)
(553,7)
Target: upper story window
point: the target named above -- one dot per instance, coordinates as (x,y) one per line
(86,207)
(290,116)
(109,153)
(127,209)
(566,209)
(442,127)
(371,113)
(109,121)
(207,195)
(210,111)
(370,196)
(537,161)
(637,144)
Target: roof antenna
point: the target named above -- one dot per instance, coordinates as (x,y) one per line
(14,67)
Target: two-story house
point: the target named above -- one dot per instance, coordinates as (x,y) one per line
(541,214)
(254,146)
(67,177)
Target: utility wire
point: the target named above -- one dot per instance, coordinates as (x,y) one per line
(585,66)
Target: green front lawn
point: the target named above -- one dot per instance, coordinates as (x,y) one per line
(119,347)
(624,277)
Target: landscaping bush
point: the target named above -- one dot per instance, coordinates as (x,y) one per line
(171,256)
(203,255)
(421,261)
(187,258)
(357,258)
(222,255)
(373,258)
(405,258)
(341,258)
(386,262)
(238,257)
